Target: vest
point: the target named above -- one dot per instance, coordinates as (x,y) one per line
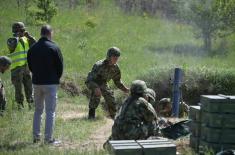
(19,56)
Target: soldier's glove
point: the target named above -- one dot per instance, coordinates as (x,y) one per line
(12,43)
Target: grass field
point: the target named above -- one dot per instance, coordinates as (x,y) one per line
(84,36)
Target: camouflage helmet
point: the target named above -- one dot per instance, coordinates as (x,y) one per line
(165,101)
(151,94)
(18,26)
(113,51)
(138,87)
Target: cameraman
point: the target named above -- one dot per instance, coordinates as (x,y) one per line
(18,46)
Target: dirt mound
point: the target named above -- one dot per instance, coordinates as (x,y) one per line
(71,88)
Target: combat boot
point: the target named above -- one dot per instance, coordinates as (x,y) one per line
(91,114)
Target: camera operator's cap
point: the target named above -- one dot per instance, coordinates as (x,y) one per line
(18,26)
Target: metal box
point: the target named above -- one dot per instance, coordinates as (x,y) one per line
(217,135)
(195,113)
(218,104)
(218,120)
(195,129)
(157,147)
(142,147)
(194,142)
(125,147)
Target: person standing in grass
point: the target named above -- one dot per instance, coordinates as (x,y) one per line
(46,64)
(5,63)
(18,46)
(102,72)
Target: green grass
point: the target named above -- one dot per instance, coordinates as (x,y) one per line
(84,36)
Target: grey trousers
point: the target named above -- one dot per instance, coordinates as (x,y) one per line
(44,94)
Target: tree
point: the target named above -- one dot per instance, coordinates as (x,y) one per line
(213,18)
(41,11)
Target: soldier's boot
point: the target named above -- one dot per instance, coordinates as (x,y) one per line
(91,114)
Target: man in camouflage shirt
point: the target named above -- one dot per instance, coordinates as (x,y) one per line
(164,108)
(5,63)
(102,72)
(137,118)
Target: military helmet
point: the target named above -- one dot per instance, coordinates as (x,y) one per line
(18,26)
(113,51)
(151,94)
(138,87)
(164,101)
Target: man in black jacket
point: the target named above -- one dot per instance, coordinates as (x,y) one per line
(46,64)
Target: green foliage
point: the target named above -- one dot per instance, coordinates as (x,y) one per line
(213,18)
(41,12)
(197,81)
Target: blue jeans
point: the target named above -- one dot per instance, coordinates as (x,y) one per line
(44,94)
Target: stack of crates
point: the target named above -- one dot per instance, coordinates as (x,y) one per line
(195,126)
(142,147)
(217,122)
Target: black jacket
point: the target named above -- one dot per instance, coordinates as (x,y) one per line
(45,62)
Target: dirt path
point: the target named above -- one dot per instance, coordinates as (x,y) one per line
(97,138)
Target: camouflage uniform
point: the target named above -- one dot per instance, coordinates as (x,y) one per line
(21,77)
(165,108)
(20,74)
(136,119)
(99,76)
(2,98)
(5,63)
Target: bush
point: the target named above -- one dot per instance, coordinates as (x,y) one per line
(196,82)
(41,12)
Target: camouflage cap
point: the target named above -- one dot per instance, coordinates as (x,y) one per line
(5,61)
(138,87)
(151,94)
(18,26)
(113,51)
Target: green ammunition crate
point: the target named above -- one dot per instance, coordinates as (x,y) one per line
(218,120)
(125,147)
(217,135)
(204,145)
(218,104)
(195,129)
(195,113)
(194,142)
(157,147)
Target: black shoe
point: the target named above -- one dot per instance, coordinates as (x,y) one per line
(36,140)
(91,114)
(53,142)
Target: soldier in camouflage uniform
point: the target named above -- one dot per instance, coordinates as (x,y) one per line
(164,108)
(102,72)
(18,46)
(5,63)
(136,118)
(150,97)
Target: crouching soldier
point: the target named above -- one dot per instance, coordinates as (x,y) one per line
(164,108)
(102,72)
(137,118)
(5,63)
